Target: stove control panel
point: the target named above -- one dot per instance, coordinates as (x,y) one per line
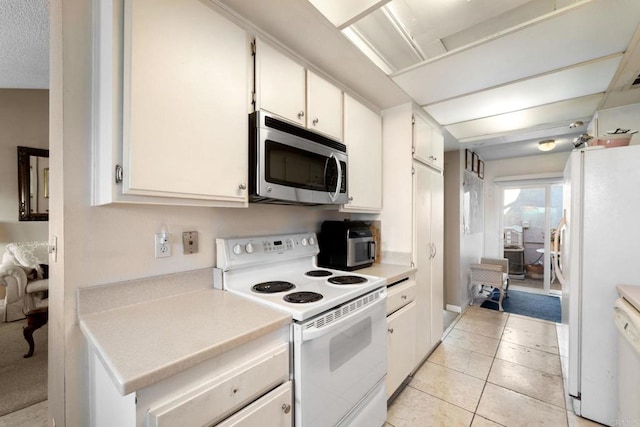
(280,245)
(242,251)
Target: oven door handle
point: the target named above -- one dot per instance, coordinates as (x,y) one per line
(308,335)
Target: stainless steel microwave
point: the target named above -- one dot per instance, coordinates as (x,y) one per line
(289,164)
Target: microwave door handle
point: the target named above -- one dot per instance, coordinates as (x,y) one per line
(373,248)
(335,195)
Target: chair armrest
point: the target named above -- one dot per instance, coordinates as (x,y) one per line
(10,275)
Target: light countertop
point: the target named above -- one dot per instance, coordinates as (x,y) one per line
(391,272)
(141,344)
(630,293)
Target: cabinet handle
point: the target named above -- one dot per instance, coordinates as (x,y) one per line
(403,297)
(315,121)
(301,114)
(286,408)
(242,186)
(390,330)
(351,199)
(433,158)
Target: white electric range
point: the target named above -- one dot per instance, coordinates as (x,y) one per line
(339,330)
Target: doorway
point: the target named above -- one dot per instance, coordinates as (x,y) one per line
(530,213)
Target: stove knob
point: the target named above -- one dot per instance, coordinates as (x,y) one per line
(312,241)
(304,241)
(249,248)
(237,249)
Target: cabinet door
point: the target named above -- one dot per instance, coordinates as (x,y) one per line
(363,137)
(280,84)
(324,106)
(428,144)
(423,251)
(422,135)
(437,149)
(401,357)
(185,101)
(273,410)
(437,259)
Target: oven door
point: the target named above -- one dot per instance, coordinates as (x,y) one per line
(338,368)
(293,168)
(360,250)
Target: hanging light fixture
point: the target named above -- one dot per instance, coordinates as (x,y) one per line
(546,145)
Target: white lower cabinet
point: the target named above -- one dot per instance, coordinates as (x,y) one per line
(401,333)
(247,386)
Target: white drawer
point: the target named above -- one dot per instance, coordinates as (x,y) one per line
(273,410)
(220,397)
(400,295)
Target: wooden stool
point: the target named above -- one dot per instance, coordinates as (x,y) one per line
(36,319)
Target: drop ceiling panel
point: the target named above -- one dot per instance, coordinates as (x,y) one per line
(585,79)
(340,12)
(556,41)
(537,116)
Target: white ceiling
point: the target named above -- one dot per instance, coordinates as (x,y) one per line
(24,44)
(502,72)
(533,66)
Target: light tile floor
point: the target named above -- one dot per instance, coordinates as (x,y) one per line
(491,369)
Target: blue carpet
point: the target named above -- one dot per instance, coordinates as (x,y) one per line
(527,304)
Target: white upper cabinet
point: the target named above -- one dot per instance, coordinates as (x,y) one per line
(286,88)
(280,84)
(324,106)
(428,143)
(183,101)
(363,137)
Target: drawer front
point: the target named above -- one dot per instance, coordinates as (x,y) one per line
(220,397)
(400,295)
(273,410)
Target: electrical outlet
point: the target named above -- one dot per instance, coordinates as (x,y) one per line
(163,247)
(190,242)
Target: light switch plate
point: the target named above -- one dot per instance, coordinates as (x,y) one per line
(190,242)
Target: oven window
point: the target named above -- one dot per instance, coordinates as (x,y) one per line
(293,167)
(362,251)
(349,344)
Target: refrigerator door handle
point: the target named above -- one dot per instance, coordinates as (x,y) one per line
(556,263)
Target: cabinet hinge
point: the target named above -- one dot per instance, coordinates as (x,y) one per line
(253,98)
(413,119)
(413,171)
(413,150)
(253,48)
(119,174)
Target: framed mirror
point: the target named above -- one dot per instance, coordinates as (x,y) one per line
(33,184)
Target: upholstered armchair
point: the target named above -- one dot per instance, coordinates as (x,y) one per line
(24,277)
(490,274)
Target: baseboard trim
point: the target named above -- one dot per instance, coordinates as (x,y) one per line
(454,308)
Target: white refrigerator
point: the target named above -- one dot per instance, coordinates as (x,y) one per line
(600,248)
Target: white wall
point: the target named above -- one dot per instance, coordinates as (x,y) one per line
(98,245)
(531,165)
(461,249)
(24,121)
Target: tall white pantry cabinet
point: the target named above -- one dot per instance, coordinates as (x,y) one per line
(412,217)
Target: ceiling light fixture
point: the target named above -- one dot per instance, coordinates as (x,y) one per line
(546,145)
(576,124)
